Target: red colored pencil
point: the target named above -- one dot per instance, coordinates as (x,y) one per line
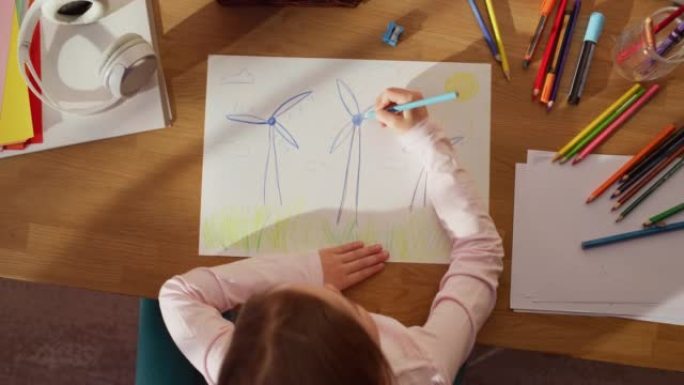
(648,177)
(668,19)
(548,51)
(662,135)
(645,98)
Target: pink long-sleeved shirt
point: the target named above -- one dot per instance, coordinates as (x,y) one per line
(192,303)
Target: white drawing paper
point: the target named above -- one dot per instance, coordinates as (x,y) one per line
(291,164)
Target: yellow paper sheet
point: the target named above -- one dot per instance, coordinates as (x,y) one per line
(15,118)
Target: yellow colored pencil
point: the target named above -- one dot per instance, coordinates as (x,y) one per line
(499,42)
(597,121)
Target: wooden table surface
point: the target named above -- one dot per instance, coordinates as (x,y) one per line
(122,215)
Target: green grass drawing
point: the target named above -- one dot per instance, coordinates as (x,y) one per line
(237,230)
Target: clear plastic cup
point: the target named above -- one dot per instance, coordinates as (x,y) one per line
(634,59)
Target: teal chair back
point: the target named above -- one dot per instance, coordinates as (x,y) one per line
(159,362)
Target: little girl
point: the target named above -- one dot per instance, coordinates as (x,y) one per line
(295,327)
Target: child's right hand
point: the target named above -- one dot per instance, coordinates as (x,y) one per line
(402,121)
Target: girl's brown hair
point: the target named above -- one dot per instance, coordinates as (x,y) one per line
(285,337)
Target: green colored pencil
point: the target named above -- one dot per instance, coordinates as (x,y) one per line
(651,189)
(664,215)
(602,126)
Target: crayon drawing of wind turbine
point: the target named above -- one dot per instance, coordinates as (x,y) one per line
(351,131)
(423,177)
(274,128)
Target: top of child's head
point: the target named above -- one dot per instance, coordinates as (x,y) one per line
(291,337)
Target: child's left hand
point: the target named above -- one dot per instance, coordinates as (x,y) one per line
(346,265)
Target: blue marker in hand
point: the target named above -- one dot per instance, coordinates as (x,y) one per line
(418,103)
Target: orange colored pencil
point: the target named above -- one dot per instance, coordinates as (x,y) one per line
(660,138)
(648,31)
(648,177)
(553,67)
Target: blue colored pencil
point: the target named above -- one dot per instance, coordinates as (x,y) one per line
(418,103)
(632,235)
(485,31)
(565,52)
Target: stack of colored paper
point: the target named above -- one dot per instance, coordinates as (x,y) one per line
(551,273)
(20,111)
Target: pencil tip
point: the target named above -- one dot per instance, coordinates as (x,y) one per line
(616,206)
(576,160)
(549,106)
(497,57)
(526,64)
(619,219)
(647,224)
(614,195)
(564,159)
(591,199)
(507,74)
(556,157)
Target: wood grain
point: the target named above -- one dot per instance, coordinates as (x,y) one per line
(122,215)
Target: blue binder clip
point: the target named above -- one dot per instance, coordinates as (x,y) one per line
(392,34)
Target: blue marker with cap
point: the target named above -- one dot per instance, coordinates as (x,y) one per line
(591,37)
(418,103)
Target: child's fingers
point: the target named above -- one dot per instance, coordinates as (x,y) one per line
(364,274)
(345,248)
(400,95)
(360,253)
(365,262)
(388,118)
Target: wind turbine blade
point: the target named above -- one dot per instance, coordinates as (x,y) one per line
(289,103)
(246,118)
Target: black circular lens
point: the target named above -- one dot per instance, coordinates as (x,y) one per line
(75,8)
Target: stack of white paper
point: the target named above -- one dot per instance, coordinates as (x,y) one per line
(640,279)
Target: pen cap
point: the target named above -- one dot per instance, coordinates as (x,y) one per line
(595,27)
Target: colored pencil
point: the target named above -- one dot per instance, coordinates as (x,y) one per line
(619,122)
(553,67)
(546,8)
(632,235)
(564,150)
(664,215)
(565,52)
(499,42)
(598,129)
(548,51)
(672,171)
(629,192)
(661,137)
(664,23)
(658,153)
(648,32)
(485,31)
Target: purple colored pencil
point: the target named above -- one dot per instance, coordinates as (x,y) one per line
(672,39)
(565,51)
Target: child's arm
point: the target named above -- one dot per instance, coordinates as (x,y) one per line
(192,303)
(467,291)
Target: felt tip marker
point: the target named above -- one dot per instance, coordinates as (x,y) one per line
(591,37)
